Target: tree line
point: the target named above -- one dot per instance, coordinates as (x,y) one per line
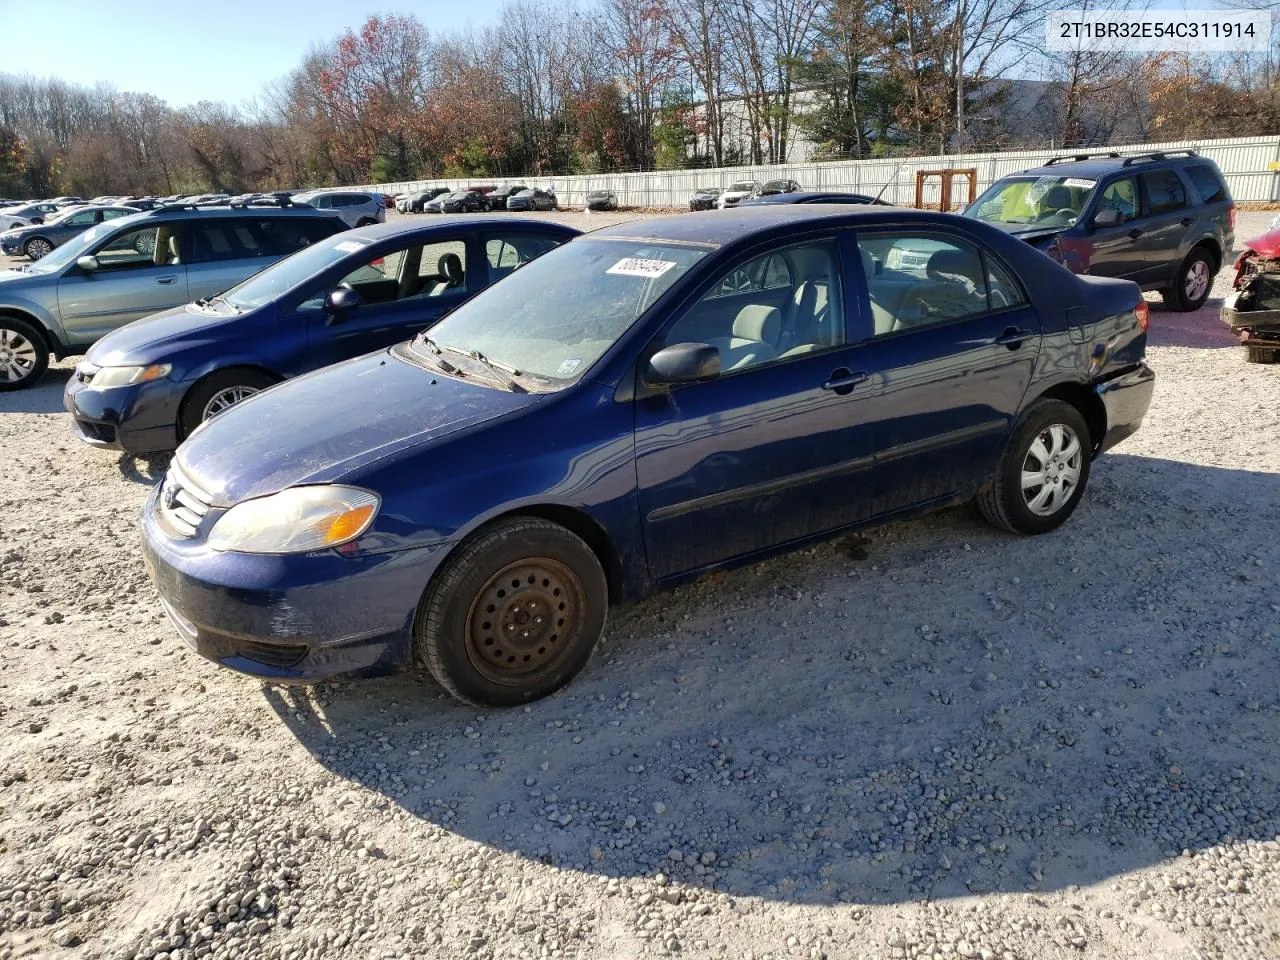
(552,87)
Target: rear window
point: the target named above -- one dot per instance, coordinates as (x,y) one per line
(1208,183)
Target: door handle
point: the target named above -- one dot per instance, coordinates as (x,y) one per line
(165,280)
(843,381)
(1135,233)
(1013,337)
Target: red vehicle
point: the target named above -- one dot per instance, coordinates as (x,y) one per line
(1253,310)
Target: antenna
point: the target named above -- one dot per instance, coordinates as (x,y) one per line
(897,173)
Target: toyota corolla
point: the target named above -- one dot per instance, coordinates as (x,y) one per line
(643,404)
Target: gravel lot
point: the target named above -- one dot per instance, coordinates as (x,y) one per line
(930,741)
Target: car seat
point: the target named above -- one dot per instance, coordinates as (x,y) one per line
(755,331)
(449,268)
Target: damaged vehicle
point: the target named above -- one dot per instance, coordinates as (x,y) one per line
(1252,311)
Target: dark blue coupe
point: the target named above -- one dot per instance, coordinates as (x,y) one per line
(647,402)
(145,386)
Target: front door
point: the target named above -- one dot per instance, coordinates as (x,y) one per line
(1115,248)
(403,290)
(777,447)
(953,348)
(135,277)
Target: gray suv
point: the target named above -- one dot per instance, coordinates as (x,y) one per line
(356,208)
(37,240)
(121,270)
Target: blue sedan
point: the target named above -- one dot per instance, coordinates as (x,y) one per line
(145,386)
(645,403)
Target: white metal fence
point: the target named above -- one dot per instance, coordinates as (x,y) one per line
(1249,164)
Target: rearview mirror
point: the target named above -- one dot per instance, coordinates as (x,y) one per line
(1110,217)
(88,264)
(682,363)
(339,302)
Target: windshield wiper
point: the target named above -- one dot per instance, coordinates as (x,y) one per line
(505,372)
(431,345)
(223,299)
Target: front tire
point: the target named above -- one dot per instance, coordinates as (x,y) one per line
(216,393)
(37,247)
(514,615)
(1043,472)
(1191,287)
(24,355)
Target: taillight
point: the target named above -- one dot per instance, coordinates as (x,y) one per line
(1231,217)
(1143,312)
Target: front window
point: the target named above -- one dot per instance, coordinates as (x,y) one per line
(71,251)
(1050,201)
(284,275)
(557,315)
(743,186)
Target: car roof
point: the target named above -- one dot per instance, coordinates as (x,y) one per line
(1095,168)
(400,227)
(720,227)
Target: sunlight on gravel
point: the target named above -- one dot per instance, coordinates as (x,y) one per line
(932,740)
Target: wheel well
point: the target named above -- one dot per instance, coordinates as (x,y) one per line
(589,530)
(182,407)
(1212,247)
(50,344)
(1087,402)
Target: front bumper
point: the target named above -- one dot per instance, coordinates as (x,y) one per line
(290,619)
(10,247)
(1126,399)
(139,419)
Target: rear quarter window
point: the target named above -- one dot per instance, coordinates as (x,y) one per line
(1208,183)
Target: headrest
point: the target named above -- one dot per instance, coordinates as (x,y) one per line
(1057,198)
(953,264)
(449,266)
(757,322)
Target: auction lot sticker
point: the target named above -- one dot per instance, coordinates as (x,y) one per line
(640,267)
(1156,31)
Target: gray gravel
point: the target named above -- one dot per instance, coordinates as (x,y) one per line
(932,740)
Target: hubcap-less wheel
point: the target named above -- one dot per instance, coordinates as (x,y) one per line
(38,248)
(522,620)
(223,399)
(18,356)
(1051,470)
(1197,281)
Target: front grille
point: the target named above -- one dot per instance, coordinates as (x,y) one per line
(183,505)
(272,654)
(101,432)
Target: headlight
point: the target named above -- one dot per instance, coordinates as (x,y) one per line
(297,520)
(123,376)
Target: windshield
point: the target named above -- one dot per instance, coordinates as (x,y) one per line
(1049,201)
(555,316)
(283,275)
(742,186)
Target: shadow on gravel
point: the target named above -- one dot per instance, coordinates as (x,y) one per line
(928,711)
(1201,328)
(44,397)
(148,470)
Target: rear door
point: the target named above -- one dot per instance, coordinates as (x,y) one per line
(132,281)
(951,350)
(220,252)
(1164,224)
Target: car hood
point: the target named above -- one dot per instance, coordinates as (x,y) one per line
(13,278)
(323,426)
(1266,246)
(1026,231)
(735,194)
(153,338)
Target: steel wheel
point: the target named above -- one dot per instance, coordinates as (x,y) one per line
(523,621)
(37,247)
(18,356)
(1051,470)
(223,399)
(1197,281)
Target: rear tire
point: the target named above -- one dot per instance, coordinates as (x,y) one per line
(24,354)
(217,392)
(514,615)
(37,247)
(1193,283)
(1043,472)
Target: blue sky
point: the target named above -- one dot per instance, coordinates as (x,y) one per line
(185,51)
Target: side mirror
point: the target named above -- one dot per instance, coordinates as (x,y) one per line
(37,220)
(340,302)
(682,363)
(1110,217)
(88,264)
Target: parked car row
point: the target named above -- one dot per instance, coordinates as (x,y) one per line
(476,200)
